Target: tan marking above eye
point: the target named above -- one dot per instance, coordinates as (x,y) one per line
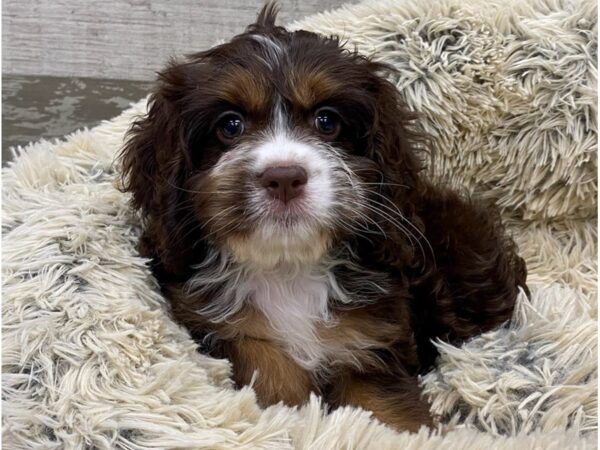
(306,89)
(248,91)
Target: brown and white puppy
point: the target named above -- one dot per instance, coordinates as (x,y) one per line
(293,231)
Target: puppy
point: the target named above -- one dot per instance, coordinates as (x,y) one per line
(294,232)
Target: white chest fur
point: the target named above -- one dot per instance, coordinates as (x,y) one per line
(294,303)
(294,299)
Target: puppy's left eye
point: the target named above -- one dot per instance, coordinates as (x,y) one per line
(230,126)
(327,122)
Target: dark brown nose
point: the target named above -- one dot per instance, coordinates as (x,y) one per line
(284,183)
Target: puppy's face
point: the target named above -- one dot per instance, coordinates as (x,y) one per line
(278,141)
(280,150)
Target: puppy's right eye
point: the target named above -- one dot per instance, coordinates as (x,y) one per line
(229,127)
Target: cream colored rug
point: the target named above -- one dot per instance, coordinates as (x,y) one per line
(506,88)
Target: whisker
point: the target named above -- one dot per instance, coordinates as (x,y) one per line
(220,214)
(408,222)
(346,226)
(221,191)
(398,225)
(386,184)
(224,227)
(397,211)
(368,219)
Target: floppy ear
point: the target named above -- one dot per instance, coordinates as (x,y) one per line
(393,140)
(149,140)
(392,145)
(155,166)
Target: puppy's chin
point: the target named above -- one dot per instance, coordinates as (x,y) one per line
(273,245)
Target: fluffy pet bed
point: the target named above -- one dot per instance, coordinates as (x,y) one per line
(506,89)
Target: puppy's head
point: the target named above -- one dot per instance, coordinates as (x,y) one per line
(274,146)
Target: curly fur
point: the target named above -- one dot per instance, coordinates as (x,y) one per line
(449,270)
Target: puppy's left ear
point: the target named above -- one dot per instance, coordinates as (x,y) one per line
(394,147)
(393,139)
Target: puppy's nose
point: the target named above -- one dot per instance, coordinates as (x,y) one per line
(284,183)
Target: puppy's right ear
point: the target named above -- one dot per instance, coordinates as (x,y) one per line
(155,164)
(147,138)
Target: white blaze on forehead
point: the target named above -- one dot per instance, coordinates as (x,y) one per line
(281,150)
(280,119)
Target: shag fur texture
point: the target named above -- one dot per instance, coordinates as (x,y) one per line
(508,92)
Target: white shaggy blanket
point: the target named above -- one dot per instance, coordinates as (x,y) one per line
(506,88)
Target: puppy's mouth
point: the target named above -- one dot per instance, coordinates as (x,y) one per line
(286,214)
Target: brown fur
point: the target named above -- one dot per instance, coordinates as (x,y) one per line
(279,377)
(456,276)
(393,400)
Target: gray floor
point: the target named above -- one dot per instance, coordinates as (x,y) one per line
(50,107)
